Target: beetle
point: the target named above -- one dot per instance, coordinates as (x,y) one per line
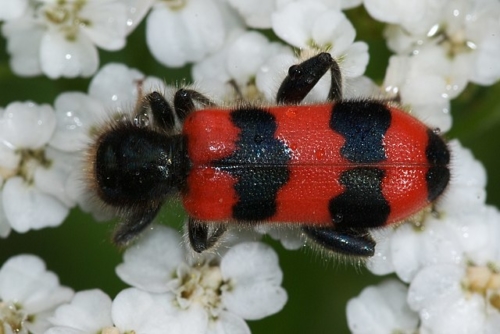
(337,169)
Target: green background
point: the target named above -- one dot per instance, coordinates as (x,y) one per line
(79,250)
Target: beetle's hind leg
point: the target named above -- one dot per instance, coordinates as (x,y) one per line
(302,78)
(184,102)
(134,224)
(164,114)
(155,104)
(203,235)
(355,242)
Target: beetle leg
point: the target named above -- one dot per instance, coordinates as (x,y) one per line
(203,235)
(356,242)
(135,223)
(184,100)
(303,77)
(163,115)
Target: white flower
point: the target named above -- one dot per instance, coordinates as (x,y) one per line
(132,311)
(28,294)
(455,283)
(4,222)
(489,254)
(186,31)
(239,62)
(411,14)
(468,32)
(316,27)
(257,14)
(23,44)
(76,114)
(246,55)
(382,309)
(208,292)
(426,82)
(455,299)
(60,39)
(33,175)
(117,86)
(136,10)
(12,9)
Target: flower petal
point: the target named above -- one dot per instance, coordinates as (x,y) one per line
(108,27)
(27,125)
(52,180)
(251,46)
(27,208)
(136,10)
(12,9)
(5,227)
(355,60)
(438,295)
(9,158)
(382,309)
(293,22)
(23,44)
(257,14)
(176,37)
(228,323)
(150,262)
(60,57)
(89,311)
(117,86)
(24,279)
(76,113)
(333,29)
(253,270)
(141,312)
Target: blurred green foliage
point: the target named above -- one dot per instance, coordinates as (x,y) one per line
(80,252)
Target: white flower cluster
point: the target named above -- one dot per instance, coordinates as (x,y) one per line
(439,47)
(172,293)
(447,259)
(450,256)
(60,38)
(307,26)
(31,171)
(29,294)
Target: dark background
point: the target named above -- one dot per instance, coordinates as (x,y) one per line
(79,250)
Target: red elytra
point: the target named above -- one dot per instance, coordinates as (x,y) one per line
(315,166)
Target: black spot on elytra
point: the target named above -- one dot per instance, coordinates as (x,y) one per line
(438,175)
(260,164)
(363,125)
(362,204)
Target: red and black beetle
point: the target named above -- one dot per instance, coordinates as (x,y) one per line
(337,169)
